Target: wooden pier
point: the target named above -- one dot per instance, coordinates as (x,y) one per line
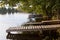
(45,27)
(33,28)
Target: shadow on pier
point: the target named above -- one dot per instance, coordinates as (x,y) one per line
(45,35)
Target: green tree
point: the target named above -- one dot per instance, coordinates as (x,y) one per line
(56,9)
(44,7)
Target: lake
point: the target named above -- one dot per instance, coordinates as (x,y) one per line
(11,20)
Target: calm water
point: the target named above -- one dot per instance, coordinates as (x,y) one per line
(11,20)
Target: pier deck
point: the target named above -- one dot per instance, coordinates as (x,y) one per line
(33,28)
(48,28)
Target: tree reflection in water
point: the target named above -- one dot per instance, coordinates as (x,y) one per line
(9,11)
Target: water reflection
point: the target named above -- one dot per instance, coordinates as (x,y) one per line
(3,10)
(11,20)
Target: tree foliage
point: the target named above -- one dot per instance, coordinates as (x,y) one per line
(44,7)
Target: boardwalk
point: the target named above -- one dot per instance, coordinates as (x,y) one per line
(33,28)
(40,31)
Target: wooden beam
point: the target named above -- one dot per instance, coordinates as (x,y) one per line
(33,28)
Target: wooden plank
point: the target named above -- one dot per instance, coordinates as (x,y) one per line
(33,23)
(33,28)
(51,21)
(44,22)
